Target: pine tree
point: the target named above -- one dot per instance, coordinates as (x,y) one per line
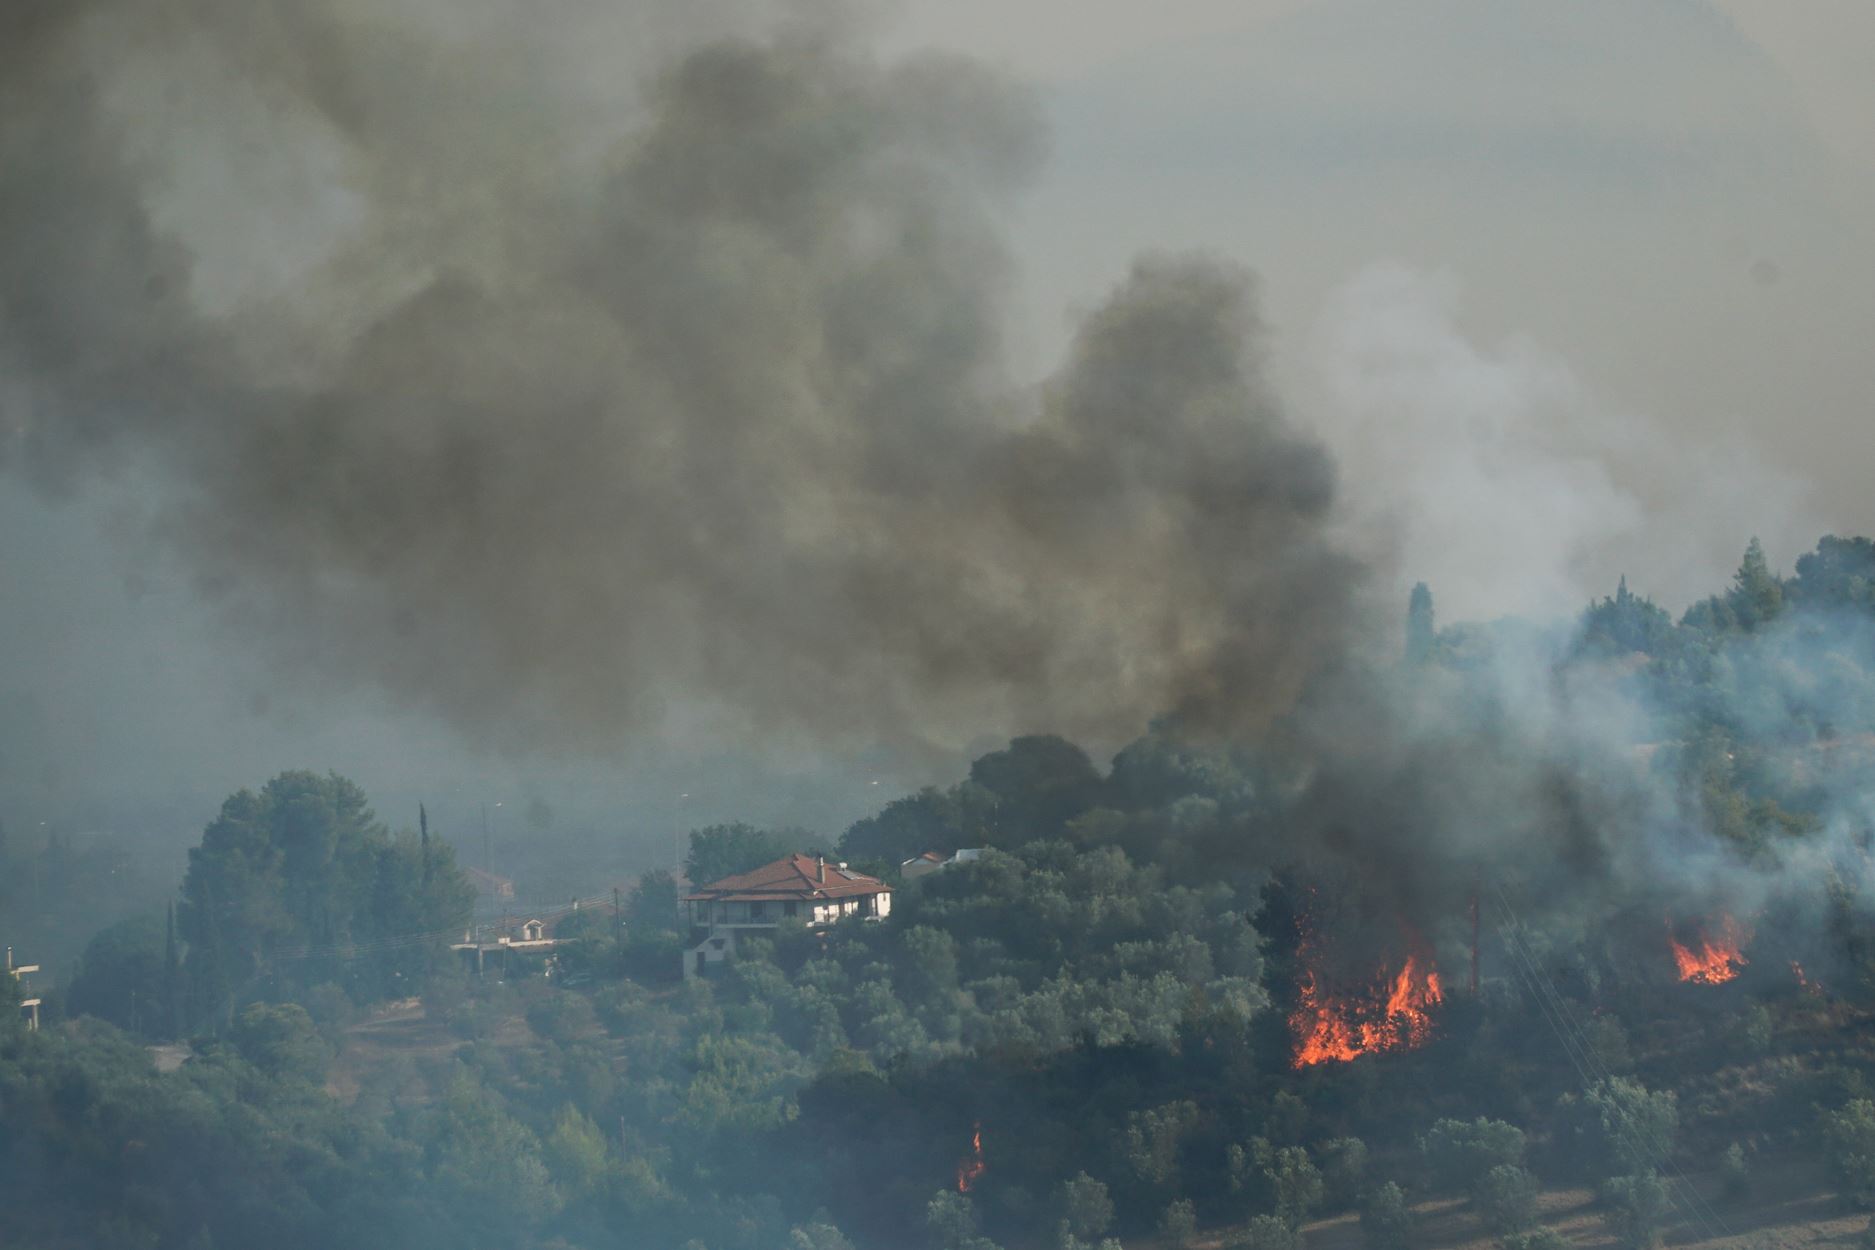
(1757,595)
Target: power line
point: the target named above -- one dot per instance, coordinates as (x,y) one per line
(1646,1144)
(474,933)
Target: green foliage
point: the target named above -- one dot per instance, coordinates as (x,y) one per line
(1092,991)
(1608,1043)
(1344,1170)
(1386,1219)
(1266,1232)
(1757,596)
(1506,1198)
(1619,1128)
(305,866)
(1637,1207)
(1086,1210)
(818,1234)
(1753,1031)
(1458,1153)
(720,851)
(575,1152)
(1534,1239)
(1623,624)
(1288,1120)
(123,978)
(1754,601)
(487,1163)
(651,907)
(561,1017)
(282,1041)
(951,1223)
(1840,573)
(1178,1225)
(1294,1184)
(1735,1172)
(930,820)
(1849,1145)
(1038,784)
(1154,1138)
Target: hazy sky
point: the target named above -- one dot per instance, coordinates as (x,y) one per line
(1572,287)
(1641,235)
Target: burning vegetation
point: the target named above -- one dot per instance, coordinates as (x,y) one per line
(970,1168)
(1393,1013)
(1713,955)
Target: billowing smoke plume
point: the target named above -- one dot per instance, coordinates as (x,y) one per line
(565,400)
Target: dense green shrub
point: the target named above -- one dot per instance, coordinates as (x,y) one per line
(1386,1219)
(1637,1206)
(1458,1152)
(1849,1145)
(1506,1198)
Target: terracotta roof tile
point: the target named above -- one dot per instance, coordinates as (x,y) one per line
(796,876)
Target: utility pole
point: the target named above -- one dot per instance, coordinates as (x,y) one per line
(677,843)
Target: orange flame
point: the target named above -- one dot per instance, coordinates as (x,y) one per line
(1335,1030)
(970,1168)
(1716,957)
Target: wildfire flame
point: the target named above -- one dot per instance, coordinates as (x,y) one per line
(970,1168)
(1395,1015)
(1716,956)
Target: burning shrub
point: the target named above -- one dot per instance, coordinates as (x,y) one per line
(1334,1026)
(1713,954)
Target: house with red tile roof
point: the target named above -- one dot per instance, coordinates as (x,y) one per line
(799,887)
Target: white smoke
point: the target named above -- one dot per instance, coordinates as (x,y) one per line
(1498,475)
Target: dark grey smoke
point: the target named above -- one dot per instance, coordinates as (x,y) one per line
(570,401)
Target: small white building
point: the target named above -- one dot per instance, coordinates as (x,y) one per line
(931,861)
(801,887)
(530,937)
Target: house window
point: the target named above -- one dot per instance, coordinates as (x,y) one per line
(790,908)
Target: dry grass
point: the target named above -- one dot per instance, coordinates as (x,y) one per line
(1789,1209)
